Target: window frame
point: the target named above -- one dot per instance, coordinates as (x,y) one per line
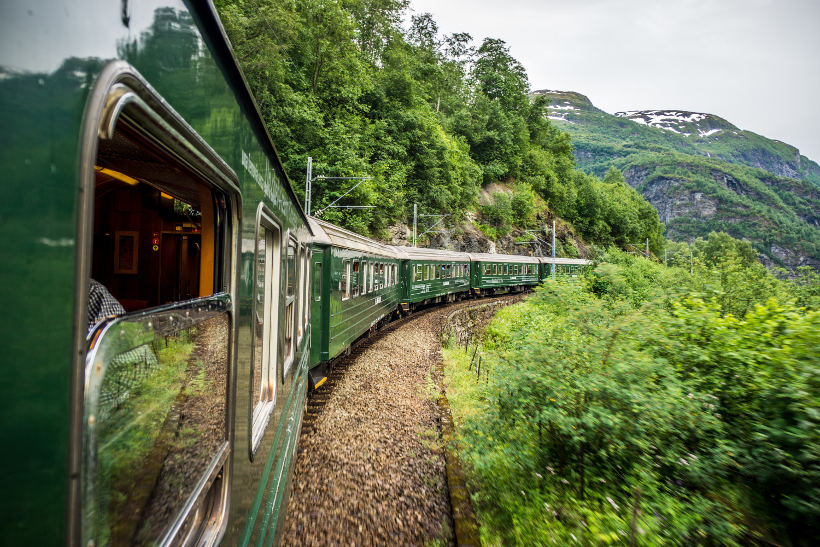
(289,334)
(356,285)
(121,93)
(259,412)
(344,282)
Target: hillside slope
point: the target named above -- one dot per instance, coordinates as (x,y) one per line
(702,173)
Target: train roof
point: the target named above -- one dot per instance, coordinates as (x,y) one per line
(492,257)
(421,253)
(567,261)
(329,234)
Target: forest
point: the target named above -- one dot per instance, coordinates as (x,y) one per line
(431,118)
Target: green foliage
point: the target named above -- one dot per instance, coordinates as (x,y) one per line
(429,117)
(691,398)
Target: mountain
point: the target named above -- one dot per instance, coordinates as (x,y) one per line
(702,173)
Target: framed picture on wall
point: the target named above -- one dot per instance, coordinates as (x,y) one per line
(126,247)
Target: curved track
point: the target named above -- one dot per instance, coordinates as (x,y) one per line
(371,465)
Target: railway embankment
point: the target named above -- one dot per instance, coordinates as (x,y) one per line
(376,463)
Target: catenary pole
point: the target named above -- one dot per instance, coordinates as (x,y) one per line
(552,269)
(415,221)
(308,182)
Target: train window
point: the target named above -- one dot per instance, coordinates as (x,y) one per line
(300,299)
(381,276)
(364,277)
(317,282)
(354,280)
(344,282)
(387,276)
(157,227)
(307,255)
(371,276)
(290,305)
(160,204)
(265,323)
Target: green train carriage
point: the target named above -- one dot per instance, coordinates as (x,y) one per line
(499,273)
(567,267)
(134,155)
(357,286)
(432,275)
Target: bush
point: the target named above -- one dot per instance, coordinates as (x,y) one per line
(640,387)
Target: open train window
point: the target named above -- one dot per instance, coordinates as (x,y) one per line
(355,278)
(371,266)
(158,210)
(264,336)
(158,228)
(344,282)
(381,276)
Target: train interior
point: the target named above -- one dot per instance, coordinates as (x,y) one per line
(155,224)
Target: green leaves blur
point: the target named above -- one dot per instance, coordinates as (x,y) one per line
(690,400)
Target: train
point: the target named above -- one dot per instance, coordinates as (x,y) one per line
(168,305)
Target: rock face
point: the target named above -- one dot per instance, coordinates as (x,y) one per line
(671,203)
(702,173)
(465,237)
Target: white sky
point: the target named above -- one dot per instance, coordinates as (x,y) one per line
(755,63)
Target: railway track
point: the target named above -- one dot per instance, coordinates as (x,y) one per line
(318,398)
(371,462)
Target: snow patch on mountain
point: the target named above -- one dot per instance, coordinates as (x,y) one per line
(681,122)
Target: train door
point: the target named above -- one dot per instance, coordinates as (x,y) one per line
(151,447)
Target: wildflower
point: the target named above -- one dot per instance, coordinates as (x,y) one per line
(573,537)
(539,475)
(565,481)
(612,503)
(683,462)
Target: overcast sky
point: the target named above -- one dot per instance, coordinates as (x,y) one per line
(755,63)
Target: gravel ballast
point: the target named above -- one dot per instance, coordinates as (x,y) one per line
(370,467)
